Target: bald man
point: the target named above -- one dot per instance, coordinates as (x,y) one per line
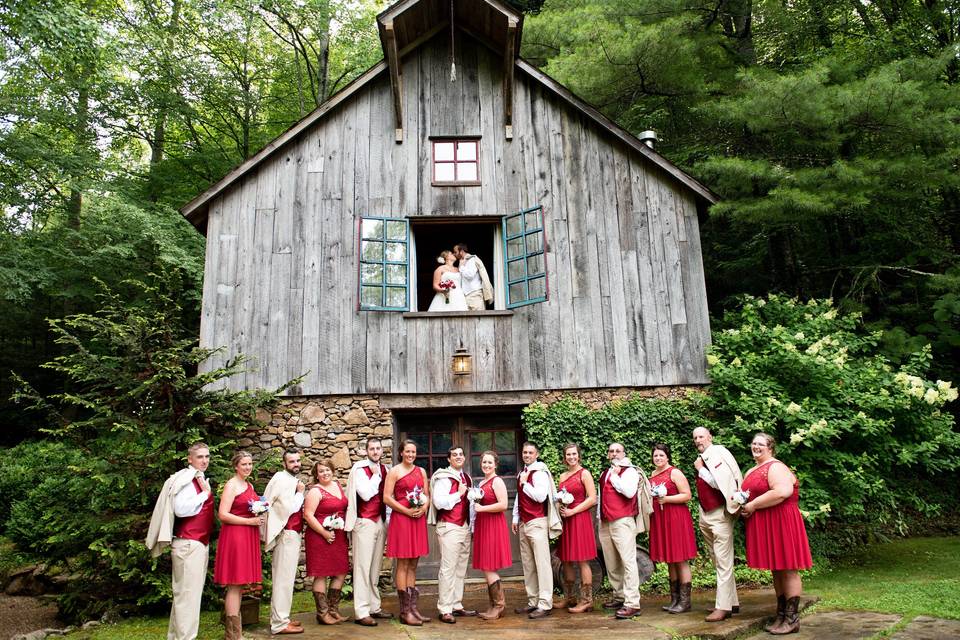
(718,478)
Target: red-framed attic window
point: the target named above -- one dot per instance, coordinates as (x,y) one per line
(456,161)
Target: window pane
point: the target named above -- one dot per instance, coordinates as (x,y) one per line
(515,270)
(535,265)
(466,151)
(422,440)
(538,288)
(371,273)
(515,247)
(475,469)
(467,171)
(372,228)
(535,242)
(439,462)
(371,251)
(443,151)
(396,230)
(396,297)
(518,292)
(423,462)
(444,172)
(508,465)
(371,296)
(514,226)
(396,274)
(441,442)
(396,252)
(533,220)
(506,441)
(479,442)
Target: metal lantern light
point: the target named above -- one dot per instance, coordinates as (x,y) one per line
(462,364)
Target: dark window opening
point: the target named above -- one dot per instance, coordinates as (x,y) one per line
(432,238)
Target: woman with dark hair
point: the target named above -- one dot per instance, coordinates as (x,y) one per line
(671,528)
(578,545)
(325,541)
(491,538)
(407,492)
(238,561)
(776,535)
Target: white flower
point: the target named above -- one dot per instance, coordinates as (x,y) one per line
(805,514)
(799,335)
(658,490)
(861,415)
(773,402)
(916,392)
(943,386)
(793,408)
(814,349)
(713,360)
(830,315)
(951,395)
(789,346)
(736,362)
(741,497)
(474,494)
(797,437)
(901,378)
(564,497)
(931,396)
(761,302)
(825,508)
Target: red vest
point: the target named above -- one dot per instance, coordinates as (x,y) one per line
(295,521)
(458,514)
(530,509)
(709,497)
(374,508)
(613,504)
(200,526)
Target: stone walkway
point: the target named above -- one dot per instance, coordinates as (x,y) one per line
(860,625)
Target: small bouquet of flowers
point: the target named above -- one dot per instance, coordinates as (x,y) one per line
(659,490)
(475,494)
(415,498)
(258,506)
(445,286)
(741,497)
(332,523)
(564,497)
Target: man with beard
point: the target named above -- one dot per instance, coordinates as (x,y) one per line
(284,494)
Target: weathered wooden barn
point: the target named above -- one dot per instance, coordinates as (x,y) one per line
(320,249)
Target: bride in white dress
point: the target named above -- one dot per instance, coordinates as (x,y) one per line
(452,299)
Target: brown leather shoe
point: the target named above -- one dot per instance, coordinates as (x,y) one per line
(448,618)
(382,615)
(288,629)
(538,613)
(524,609)
(296,623)
(718,615)
(613,603)
(464,613)
(366,622)
(627,612)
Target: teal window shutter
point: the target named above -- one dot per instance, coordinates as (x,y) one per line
(524,248)
(384,264)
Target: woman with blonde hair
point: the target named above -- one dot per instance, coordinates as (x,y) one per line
(578,545)
(448,285)
(491,537)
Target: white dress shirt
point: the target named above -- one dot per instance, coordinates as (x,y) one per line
(442,498)
(367,487)
(188,502)
(470,275)
(625,483)
(704,472)
(537,489)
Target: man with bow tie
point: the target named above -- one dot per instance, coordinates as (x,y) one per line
(452,513)
(183,520)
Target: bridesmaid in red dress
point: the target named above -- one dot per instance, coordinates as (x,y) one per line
(238,551)
(491,537)
(407,532)
(776,535)
(578,545)
(326,548)
(672,539)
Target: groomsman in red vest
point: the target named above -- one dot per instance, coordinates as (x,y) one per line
(450,512)
(718,478)
(183,519)
(624,507)
(281,537)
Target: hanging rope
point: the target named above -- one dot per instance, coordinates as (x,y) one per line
(453,64)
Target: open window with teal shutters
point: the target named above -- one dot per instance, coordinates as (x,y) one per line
(524,249)
(384,264)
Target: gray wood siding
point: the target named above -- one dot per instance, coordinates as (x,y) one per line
(627,304)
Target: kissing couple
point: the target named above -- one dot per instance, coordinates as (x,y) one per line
(461,282)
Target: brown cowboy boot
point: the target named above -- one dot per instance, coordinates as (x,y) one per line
(791,618)
(781,610)
(683,601)
(323,608)
(674,595)
(497,602)
(406,615)
(569,596)
(333,604)
(585,602)
(414,596)
(230,629)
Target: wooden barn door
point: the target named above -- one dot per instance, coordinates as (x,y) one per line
(475,431)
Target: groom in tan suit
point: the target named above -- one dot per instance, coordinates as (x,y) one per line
(718,478)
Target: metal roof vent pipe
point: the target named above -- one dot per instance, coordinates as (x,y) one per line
(648,138)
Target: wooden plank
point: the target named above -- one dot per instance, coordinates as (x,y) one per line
(393,62)
(509,53)
(313,261)
(260,308)
(674,275)
(360,140)
(648,297)
(633,293)
(330,376)
(654,231)
(601,333)
(484,355)
(698,315)
(245,292)
(446,400)
(208,307)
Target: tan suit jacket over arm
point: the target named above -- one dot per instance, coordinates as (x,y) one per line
(725,471)
(279,493)
(160,533)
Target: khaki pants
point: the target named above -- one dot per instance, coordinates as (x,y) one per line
(454,558)
(368,540)
(537,567)
(286,557)
(717,529)
(618,540)
(190,559)
(475,301)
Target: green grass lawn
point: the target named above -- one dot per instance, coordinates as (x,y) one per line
(918,576)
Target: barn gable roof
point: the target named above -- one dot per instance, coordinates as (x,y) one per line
(408,24)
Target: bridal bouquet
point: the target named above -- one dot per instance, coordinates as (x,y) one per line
(258,506)
(564,497)
(445,286)
(333,522)
(415,498)
(658,491)
(475,494)
(741,497)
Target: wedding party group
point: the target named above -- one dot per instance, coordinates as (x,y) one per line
(386,510)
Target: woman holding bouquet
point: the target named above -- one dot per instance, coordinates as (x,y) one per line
(406,491)
(238,552)
(671,528)
(325,541)
(491,538)
(578,544)
(776,535)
